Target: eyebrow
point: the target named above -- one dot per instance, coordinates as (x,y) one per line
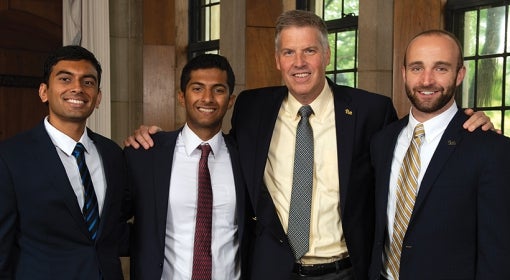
(214,85)
(65,72)
(420,63)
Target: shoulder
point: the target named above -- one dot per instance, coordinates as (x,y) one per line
(261,93)
(162,140)
(20,141)
(357,94)
(103,142)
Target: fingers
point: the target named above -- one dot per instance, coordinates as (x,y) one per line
(141,137)
(477,119)
(131,142)
(152,129)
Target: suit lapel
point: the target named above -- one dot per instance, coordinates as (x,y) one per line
(345,122)
(447,145)
(385,160)
(162,165)
(46,152)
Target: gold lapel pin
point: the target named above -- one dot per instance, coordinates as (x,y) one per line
(348,112)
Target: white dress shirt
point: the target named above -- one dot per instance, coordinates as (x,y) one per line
(65,146)
(182,209)
(434,129)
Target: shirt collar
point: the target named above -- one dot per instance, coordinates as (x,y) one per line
(192,141)
(63,141)
(291,106)
(435,126)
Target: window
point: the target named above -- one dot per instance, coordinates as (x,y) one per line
(341,17)
(484,31)
(204,27)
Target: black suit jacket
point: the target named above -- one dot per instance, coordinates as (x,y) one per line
(460,225)
(43,234)
(149,172)
(358,116)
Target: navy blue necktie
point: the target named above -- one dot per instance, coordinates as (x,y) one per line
(90,206)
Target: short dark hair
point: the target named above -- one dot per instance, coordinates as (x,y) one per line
(208,61)
(71,52)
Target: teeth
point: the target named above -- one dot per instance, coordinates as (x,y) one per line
(427,92)
(206,110)
(301,75)
(75,101)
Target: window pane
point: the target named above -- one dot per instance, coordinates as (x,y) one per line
(495,117)
(469,43)
(507,82)
(215,22)
(492,27)
(332,10)
(489,82)
(332,47)
(346,50)
(346,79)
(506,129)
(468,85)
(351,7)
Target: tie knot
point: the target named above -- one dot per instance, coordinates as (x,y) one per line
(419,131)
(206,149)
(305,111)
(78,149)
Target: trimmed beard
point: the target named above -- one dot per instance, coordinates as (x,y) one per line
(436,105)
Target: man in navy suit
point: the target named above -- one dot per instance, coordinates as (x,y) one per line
(344,120)
(43,232)
(165,179)
(459,219)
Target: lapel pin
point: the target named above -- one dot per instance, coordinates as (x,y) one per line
(348,112)
(452,143)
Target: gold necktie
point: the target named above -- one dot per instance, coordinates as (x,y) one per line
(407,188)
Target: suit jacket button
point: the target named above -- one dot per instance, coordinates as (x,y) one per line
(160,264)
(281,241)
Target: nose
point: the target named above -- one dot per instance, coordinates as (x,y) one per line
(428,77)
(77,86)
(299,60)
(207,95)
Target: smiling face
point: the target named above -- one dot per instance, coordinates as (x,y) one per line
(302,60)
(432,74)
(206,101)
(72,93)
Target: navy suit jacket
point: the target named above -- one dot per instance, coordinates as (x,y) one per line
(43,234)
(149,173)
(460,225)
(358,116)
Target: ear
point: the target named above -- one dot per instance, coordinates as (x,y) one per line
(277,60)
(180,98)
(99,97)
(460,75)
(231,100)
(43,92)
(403,71)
